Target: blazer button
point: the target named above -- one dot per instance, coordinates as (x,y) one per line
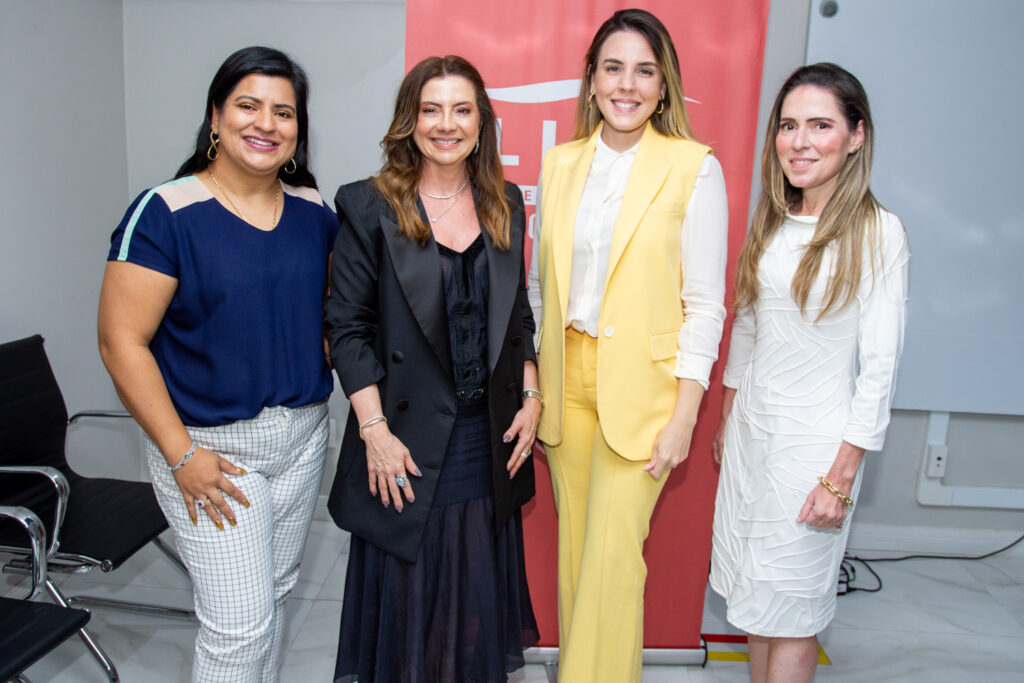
(516,340)
(402,404)
(609,331)
(397,356)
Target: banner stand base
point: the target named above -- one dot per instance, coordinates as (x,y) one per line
(655,656)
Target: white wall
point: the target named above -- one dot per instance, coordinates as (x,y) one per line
(63,180)
(103,97)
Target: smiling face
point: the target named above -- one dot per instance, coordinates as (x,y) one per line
(257,126)
(627,85)
(448,124)
(813,142)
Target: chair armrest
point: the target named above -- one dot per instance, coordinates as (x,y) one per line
(60,483)
(37,535)
(98,413)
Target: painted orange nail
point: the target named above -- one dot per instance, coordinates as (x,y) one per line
(220,525)
(194,522)
(241,471)
(232,520)
(245,503)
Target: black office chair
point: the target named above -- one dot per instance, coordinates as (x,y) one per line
(91,522)
(29,630)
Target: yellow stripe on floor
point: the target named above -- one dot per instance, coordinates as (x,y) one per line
(728,656)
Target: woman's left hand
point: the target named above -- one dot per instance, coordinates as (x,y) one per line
(671,448)
(524,431)
(823,509)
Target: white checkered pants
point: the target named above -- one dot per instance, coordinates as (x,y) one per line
(242,575)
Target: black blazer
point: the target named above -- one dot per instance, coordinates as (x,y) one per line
(387,324)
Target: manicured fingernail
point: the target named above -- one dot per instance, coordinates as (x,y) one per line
(194,521)
(220,525)
(233,522)
(385,504)
(399,508)
(245,503)
(416,471)
(241,471)
(506,438)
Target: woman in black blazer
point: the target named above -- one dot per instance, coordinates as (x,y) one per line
(431,334)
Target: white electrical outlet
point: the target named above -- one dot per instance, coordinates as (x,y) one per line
(937,456)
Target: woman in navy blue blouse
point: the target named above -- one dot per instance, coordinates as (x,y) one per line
(210,327)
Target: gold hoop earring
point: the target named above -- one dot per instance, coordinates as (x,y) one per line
(211,151)
(590,101)
(661,107)
(295,166)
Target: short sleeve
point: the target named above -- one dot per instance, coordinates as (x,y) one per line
(145,235)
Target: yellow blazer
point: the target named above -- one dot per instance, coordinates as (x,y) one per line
(641,311)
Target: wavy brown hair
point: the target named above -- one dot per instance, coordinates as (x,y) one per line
(398,180)
(673,122)
(849,219)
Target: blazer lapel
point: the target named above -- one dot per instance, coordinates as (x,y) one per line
(650,169)
(568,187)
(418,269)
(503,277)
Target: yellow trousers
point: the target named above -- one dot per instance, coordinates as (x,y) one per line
(604,504)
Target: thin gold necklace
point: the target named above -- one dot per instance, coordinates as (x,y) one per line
(277,196)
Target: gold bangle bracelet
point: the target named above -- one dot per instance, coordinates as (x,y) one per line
(371,421)
(835,492)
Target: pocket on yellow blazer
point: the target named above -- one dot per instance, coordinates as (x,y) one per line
(666,207)
(664,345)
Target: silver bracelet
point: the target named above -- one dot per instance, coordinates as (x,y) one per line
(371,421)
(533,393)
(188,456)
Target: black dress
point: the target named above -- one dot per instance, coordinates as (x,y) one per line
(461,613)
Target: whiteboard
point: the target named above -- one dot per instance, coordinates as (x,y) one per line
(947,96)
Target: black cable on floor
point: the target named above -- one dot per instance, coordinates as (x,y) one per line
(848,573)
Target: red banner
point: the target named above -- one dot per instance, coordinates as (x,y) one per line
(530,53)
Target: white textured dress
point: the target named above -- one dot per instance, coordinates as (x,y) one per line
(802,388)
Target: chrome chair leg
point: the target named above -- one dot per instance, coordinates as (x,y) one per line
(94,648)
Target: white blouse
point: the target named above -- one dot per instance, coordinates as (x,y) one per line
(704,243)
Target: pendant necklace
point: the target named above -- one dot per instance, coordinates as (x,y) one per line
(453,195)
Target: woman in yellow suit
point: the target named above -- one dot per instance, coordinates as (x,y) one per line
(631,265)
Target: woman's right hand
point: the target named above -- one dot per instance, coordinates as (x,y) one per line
(202,479)
(387,459)
(728,396)
(716,442)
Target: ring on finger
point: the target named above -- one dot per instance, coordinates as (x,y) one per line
(526,452)
(200,503)
(401,481)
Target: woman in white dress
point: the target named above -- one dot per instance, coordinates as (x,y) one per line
(821,301)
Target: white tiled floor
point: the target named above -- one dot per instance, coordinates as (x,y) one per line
(935,620)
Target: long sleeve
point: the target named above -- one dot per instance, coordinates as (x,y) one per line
(883,311)
(741,347)
(705,235)
(351,309)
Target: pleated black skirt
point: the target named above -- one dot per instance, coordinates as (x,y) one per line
(461,613)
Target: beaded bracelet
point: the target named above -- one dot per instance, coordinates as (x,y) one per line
(836,492)
(188,456)
(371,421)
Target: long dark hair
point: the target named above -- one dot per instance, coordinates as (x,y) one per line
(399,178)
(256,60)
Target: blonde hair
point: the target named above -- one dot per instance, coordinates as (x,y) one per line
(849,219)
(398,180)
(672,121)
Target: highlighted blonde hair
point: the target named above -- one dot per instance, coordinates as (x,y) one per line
(849,219)
(672,121)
